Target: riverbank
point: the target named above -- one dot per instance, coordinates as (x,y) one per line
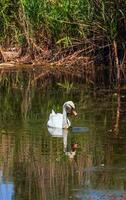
(73,66)
(85,39)
(58,66)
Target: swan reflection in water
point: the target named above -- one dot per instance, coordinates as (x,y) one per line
(63,133)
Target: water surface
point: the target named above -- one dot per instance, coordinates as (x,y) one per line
(36,164)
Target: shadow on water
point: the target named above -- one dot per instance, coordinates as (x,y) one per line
(86,162)
(80,130)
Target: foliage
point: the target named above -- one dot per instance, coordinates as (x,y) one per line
(55,25)
(66,86)
(62,19)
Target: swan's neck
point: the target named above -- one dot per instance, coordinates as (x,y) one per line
(65,122)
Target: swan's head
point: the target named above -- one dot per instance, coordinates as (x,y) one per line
(70,108)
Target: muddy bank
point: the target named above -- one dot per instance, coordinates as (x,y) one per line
(75,66)
(72,67)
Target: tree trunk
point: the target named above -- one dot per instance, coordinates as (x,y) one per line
(116,60)
(1,57)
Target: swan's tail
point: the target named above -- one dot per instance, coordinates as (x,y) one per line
(52,113)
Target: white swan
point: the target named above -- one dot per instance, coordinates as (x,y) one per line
(58,120)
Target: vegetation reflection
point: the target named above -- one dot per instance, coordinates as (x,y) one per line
(38,163)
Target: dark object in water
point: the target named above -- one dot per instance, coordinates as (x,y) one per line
(80,129)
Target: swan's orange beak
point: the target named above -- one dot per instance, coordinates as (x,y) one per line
(74,112)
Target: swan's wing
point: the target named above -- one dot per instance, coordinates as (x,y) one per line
(55,120)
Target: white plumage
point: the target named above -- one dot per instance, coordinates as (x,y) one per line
(59,120)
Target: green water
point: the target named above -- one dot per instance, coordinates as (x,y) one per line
(33,163)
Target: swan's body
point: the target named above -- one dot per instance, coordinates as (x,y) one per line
(58,132)
(60,120)
(56,120)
